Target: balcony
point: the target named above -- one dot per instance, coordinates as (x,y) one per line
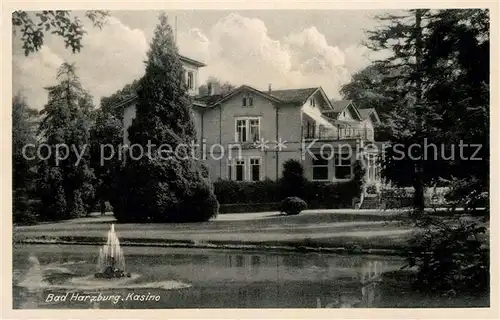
(338,134)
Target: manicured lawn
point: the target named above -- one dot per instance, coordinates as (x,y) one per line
(326,228)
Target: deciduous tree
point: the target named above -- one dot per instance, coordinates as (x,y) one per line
(35,25)
(218,87)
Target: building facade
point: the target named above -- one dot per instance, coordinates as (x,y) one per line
(248,134)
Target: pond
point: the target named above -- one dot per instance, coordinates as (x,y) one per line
(62,276)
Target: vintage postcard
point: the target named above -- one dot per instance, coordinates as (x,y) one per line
(214,156)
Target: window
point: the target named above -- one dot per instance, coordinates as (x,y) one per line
(342,166)
(240,170)
(255,169)
(244,169)
(248,130)
(310,129)
(254,129)
(320,168)
(255,261)
(241,130)
(320,130)
(229,169)
(372,168)
(247,101)
(190,80)
(312,102)
(239,261)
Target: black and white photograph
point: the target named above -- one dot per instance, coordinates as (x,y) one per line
(250,159)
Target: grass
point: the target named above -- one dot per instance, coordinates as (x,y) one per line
(308,231)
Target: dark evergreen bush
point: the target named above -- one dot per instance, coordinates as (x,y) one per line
(293,183)
(293,205)
(24,210)
(166,187)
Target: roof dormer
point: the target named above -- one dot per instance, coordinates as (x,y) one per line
(191,75)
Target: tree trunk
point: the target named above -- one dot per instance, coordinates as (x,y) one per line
(103,207)
(419,204)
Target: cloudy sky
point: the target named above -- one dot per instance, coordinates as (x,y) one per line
(290,49)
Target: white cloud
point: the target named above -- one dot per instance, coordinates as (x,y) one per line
(33,73)
(239,50)
(311,44)
(194,44)
(110,58)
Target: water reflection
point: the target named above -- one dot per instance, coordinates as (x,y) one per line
(369,277)
(222,279)
(353,281)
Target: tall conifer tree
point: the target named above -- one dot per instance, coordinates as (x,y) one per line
(65,186)
(159,187)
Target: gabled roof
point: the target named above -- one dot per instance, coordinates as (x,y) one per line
(209,99)
(331,113)
(192,61)
(238,90)
(341,105)
(293,95)
(125,102)
(366,113)
(296,96)
(196,102)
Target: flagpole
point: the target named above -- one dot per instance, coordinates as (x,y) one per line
(175,34)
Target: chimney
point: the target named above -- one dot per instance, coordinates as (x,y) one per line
(210,89)
(270,89)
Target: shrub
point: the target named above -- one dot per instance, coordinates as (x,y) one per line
(395,198)
(231,192)
(200,205)
(371,189)
(451,253)
(293,182)
(228,191)
(163,192)
(319,195)
(358,179)
(23,209)
(450,259)
(293,205)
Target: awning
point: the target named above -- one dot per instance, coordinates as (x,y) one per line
(318,118)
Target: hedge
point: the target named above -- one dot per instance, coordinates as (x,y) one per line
(318,195)
(234,192)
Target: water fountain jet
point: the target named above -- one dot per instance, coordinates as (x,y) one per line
(111,261)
